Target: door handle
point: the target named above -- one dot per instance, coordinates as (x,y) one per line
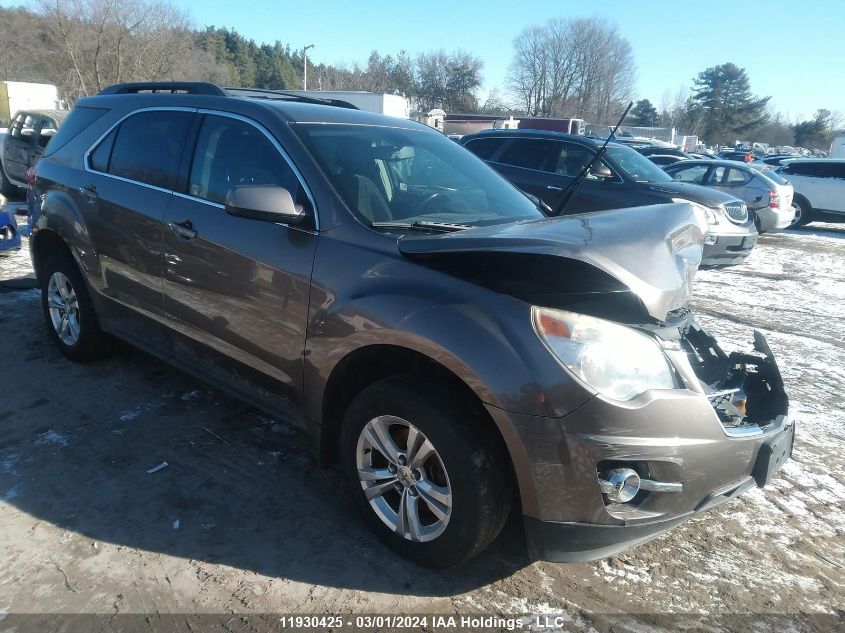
(89,193)
(184,229)
(553,188)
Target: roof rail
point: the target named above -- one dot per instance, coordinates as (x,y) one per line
(262,93)
(189,87)
(205,88)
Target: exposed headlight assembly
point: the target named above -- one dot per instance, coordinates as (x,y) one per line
(617,361)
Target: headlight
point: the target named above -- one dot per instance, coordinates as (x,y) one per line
(615,360)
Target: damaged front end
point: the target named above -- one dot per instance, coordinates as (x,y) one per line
(746,390)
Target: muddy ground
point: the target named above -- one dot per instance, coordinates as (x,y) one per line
(242,522)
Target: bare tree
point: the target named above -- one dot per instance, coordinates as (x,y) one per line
(101,42)
(580,67)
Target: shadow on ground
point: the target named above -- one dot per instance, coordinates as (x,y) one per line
(76,442)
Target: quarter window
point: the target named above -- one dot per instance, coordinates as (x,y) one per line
(149,145)
(230,152)
(100,157)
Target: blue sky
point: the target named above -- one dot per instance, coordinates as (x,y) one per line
(793,50)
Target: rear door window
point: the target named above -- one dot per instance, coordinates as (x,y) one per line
(726,177)
(529,153)
(149,146)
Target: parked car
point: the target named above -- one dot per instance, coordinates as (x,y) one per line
(663,151)
(664,159)
(458,352)
(10,237)
(544,164)
(767,195)
(22,146)
(819,188)
(776,160)
(741,155)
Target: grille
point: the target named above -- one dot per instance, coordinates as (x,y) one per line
(736,211)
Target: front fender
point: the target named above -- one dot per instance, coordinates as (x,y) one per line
(491,347)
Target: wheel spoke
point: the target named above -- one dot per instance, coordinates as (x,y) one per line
(378,490)
(415,439)
(438,498)
(375,474)
(63,325)
(378,434)
(74,328)
(408,518)
(425,451)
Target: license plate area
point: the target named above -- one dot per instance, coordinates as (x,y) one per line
(772,455)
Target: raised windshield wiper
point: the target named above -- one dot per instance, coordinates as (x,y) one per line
(442,227)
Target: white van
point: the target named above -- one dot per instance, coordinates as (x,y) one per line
(837,147)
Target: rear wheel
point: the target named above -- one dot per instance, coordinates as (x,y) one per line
(426,470)
(803,212)
(69,312)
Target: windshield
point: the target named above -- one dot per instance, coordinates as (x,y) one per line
(635,165)
(395,175)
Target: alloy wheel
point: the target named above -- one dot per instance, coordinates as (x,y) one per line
(64,308)
(403,478)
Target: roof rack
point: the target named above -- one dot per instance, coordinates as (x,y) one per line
(210,89)
(188,87)
(262,93)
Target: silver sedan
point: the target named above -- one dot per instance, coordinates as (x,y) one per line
(768,195)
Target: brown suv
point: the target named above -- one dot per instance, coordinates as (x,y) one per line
(457,352)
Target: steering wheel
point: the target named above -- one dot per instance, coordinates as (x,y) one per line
(429,200)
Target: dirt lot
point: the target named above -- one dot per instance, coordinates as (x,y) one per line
(242,523)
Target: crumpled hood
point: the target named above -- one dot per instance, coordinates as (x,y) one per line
(653,250)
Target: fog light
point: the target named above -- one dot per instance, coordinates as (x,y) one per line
(710,239)
(620,484)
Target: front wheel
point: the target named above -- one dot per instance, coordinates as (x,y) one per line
(426,470)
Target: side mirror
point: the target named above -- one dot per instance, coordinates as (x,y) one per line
(601,171)
(270,203)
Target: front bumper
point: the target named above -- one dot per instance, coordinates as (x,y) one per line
(728,248)
(668,436)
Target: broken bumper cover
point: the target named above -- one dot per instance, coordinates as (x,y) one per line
(665,436)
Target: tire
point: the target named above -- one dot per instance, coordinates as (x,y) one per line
(6,187)
(468,462)
(68,311)
(803,212)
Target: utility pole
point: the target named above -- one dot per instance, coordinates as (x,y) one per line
(305,66)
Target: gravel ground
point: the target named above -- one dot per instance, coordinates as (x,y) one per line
(242,523)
